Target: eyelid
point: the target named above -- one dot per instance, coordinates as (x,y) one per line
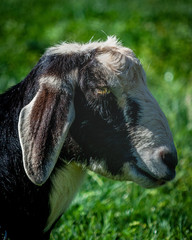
(103,90)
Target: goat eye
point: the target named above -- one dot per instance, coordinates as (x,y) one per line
(103,91)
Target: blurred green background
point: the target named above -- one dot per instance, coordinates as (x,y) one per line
(160,33)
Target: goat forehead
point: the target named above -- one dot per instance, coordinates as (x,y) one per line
(110,52)
(122,69)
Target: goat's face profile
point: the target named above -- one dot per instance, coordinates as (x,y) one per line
(97,94)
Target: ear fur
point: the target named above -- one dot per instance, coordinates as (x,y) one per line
(43,126)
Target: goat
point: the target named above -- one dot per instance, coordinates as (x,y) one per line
(83,106)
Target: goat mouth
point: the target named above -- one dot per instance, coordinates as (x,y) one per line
(149,176)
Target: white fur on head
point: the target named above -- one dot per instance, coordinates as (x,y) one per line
(70,48)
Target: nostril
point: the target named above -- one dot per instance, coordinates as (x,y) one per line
(169,159)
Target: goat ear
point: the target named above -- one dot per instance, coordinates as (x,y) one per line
(43,126)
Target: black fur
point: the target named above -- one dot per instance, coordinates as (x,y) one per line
(99,135)
(23,206)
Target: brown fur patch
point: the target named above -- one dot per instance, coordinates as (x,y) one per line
(47,119)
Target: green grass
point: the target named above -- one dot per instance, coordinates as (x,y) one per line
(125,211)
(160,33)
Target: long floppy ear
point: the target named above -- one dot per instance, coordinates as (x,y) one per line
(43,126)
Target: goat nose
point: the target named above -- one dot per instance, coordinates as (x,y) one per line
(169,159)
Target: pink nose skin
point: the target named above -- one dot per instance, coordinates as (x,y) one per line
(170,160)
